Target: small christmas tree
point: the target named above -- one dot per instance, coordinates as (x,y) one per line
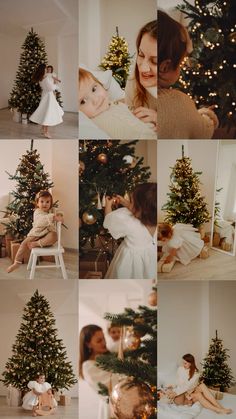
(209,77)
(216,372)
(117,59)
(31,179)
(26,94)
(38,350)
(185,203)
(106,168)
(139,360)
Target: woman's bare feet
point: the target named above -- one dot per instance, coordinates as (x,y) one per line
(13,267)
(31,245)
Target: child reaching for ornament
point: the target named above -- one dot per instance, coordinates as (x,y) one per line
(43,232)
(136,257)
(114,118)
(39,399)
(177,114)
(181,242)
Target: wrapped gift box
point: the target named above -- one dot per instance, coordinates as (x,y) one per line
(90,275)
(93,261)
(64,400)
(13,397)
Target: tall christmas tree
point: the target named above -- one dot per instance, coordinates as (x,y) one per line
(209,77)
(30,178)
(117,59)
(185,203)
(26,94)
(106,168)
(136,395)
(37,349)
(216,372)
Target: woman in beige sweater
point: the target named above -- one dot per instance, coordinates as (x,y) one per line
(43,232)
(178,117)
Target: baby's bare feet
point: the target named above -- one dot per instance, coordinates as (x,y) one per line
(13,267)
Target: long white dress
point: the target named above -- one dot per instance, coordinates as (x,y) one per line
(30,399)
(94,375)
(136,257)
(49,112)
(187,241)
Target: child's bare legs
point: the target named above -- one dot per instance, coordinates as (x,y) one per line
(45,131)
(44,241)
(20,254)
(203,395)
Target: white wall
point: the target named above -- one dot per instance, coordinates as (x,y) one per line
(59,158)
(63,303)
(147,150)
(203,155)
(65,177)
(98,21)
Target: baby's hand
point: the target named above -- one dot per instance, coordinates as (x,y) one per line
(168,259)
(146,115)
(59,218)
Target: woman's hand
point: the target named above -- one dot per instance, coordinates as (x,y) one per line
(171,394)
(146,114)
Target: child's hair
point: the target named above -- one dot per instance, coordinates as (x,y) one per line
(190,358)
(50,66)
(86,334)
(165,230)
(144,200)
(39,73)
(43,194)
(39,374)
(151,29)
(86,75)
(172,40)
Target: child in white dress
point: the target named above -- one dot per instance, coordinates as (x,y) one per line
(50,73)
(181,242)
(43,232)
(136,257)
(114,118)
(49,112)
(114,333)
(37,388)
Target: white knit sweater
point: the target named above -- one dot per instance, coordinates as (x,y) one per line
(178,117)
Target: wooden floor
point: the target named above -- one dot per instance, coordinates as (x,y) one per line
(63,412)
(13,130)
(219,266)
(71,263)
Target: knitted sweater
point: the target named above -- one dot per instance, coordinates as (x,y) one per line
(130,92)
(42,223)
(178,117)
(119,123)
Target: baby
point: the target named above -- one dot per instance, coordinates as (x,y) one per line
(50,73)
(114,334)
(114,118)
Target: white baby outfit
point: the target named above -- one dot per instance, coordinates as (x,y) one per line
(30,399)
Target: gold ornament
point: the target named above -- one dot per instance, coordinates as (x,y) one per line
(152,299)
(88,218)
(232,37)
(131,340)
(138,321)
(102,158)
(130,399)
(81,167)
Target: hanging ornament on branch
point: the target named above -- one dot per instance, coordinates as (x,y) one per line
(131,339)
(81,167)
(102,158)
(89,218)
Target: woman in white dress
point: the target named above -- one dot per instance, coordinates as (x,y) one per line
(136,257)
(141,88)
(49,112)
(37,387)
(93,344)
(189,390)
(181,242)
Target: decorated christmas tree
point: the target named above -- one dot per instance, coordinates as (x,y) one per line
(117,59)
(26,94)
(37,349)
(216,372)
(136,395)
(30,178)
(185,203)
(106,168)
(209,75)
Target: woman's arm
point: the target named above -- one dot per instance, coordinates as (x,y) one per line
(146,115)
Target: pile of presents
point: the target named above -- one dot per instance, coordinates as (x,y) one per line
(93,264)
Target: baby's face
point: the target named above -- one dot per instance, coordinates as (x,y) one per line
(41,379)
(93,98)
(114,332)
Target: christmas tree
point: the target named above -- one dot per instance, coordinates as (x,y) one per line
(31,179)
(216,372)
(209,77)
(26,94)
(117,59)
(38,350)
(137,361)
(106,168)
(185,204)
